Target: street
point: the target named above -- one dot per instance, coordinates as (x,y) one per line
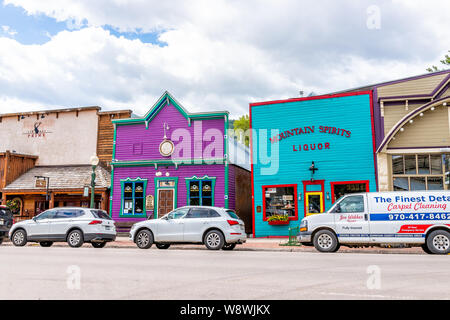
(114,273)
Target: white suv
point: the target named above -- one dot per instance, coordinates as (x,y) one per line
(74,225)
(216,228)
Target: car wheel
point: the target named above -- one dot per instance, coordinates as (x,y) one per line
(214,240)
(98,244)
(144,239)
(425,249)
(229,246)
(1,240)
(163,245)
(19,238)
(75,239)
(46,243)
(438,242)
(326,241)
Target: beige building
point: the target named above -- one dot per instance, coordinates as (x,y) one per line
(45,158)
(413,137)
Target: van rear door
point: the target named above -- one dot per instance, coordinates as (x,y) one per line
(351,219)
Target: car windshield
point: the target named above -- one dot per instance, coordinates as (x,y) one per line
(232,214)
(101,214)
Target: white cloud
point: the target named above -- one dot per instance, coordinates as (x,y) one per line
(8,31)
(219,54)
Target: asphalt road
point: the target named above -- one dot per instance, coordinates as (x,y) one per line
(109,273)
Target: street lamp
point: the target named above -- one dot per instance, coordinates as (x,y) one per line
(94,162)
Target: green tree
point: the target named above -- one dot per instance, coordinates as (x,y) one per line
(243,123)
(445,61)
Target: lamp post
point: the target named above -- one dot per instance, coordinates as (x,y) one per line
(94,163)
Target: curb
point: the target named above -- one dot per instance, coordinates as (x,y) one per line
(262,249)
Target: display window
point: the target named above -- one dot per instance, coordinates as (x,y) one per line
(133,198)
(415,172)
(341,188)
(280,200)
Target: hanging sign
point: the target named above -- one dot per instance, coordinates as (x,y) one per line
(149,202)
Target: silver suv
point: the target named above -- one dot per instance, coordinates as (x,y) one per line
(74,225)
(216,228)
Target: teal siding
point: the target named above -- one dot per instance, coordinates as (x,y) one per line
(347,159)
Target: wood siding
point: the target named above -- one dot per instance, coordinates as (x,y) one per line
(105,140)
(13,166)
(431,130)
(413,87)
(394,113)
(243,198)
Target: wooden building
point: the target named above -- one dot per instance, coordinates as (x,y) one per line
(45,157)
(172,158)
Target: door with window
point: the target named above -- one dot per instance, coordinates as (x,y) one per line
(196,221)
(165,201)
(313,202)
(41,225)
(170,228)
(351,219)
(60,223)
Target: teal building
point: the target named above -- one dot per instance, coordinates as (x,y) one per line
(306,153)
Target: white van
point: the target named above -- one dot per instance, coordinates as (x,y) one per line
(416,218)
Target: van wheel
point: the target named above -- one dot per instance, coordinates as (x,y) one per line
(163,245)
(1,240)
(425,249)
(438,242)
(326,241)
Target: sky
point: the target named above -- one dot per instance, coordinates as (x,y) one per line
(211,55)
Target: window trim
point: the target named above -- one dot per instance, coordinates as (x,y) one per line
(408,176)
(200,179)
(122,202)
(332,184)
(295,217)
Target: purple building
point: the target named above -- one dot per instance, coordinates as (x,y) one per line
(171,158)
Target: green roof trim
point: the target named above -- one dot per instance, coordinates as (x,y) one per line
(164,100)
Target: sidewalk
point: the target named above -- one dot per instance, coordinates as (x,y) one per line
(252,244)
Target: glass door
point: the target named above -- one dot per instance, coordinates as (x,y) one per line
(313,203)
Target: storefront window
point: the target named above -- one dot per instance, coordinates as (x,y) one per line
(133,197)
(418,172)
(280,201)
(340,189)
(200,193)
(423,164)
(398,165)
(410,164)
(435,183)
(436,164)
(401,184)
(417,183)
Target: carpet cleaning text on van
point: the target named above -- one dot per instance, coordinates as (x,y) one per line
(414,203)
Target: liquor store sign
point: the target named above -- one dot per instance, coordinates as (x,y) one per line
(308,130)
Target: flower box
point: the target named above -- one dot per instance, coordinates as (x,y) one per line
(278,223)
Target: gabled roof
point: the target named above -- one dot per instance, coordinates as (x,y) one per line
(167,99)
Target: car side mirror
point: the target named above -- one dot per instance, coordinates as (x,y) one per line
(338,208)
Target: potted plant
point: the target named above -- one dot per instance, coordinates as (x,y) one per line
(278,219)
